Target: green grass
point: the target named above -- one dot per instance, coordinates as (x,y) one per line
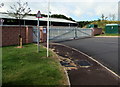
(27,67)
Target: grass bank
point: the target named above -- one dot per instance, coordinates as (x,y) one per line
(27,67)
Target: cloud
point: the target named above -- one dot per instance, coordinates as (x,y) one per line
(107,8)
(78,11)
(72,8)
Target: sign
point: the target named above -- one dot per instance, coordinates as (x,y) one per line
(39,15)
(44,30)
(1,21)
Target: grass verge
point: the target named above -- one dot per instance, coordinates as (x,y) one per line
(27,67)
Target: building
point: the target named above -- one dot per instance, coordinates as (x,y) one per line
(32,20)
(112,28)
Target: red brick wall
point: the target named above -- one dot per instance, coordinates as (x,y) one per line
(10,35)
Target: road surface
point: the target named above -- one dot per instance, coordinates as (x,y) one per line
(104,50)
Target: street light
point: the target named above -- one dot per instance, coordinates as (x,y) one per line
(48,29)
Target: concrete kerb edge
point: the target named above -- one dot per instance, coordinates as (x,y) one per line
(91,59)
(68,80)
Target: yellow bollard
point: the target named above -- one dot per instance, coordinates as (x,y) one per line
(20,42)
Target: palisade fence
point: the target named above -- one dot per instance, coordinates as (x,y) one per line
(67,33)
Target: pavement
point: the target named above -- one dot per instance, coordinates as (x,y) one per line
(102,49)
(94,75)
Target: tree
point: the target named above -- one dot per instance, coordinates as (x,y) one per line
(102,16)
(19,11)
(112,17)
(1,5)
(106,18)
(61,16)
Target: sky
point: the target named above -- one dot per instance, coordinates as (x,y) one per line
(79,10)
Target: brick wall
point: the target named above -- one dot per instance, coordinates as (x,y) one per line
(10,35)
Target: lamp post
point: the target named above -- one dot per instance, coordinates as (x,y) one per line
(48,29)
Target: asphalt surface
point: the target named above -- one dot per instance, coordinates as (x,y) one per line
(104,50)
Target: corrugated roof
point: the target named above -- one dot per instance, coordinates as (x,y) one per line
(41,19)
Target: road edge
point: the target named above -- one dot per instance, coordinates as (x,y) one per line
(91,59)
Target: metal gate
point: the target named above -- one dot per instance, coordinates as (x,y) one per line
(66,33)
(62,33)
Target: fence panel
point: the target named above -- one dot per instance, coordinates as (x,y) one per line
(61,34)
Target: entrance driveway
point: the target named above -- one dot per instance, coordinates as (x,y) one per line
(103,49)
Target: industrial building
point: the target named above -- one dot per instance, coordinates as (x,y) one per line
(32,20)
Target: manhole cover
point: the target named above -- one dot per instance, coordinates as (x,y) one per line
(84,63)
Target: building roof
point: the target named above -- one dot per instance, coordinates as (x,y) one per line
(34,18)
(112,24)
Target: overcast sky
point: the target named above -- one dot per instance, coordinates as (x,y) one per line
(79,10)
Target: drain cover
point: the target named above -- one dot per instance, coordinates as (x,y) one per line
(84,63)
(63,63)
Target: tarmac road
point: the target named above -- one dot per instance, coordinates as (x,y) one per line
(104,50)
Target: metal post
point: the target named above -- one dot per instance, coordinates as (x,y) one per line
(75,33)
(69,25)
(24,22)
(48,29)
(38,37)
